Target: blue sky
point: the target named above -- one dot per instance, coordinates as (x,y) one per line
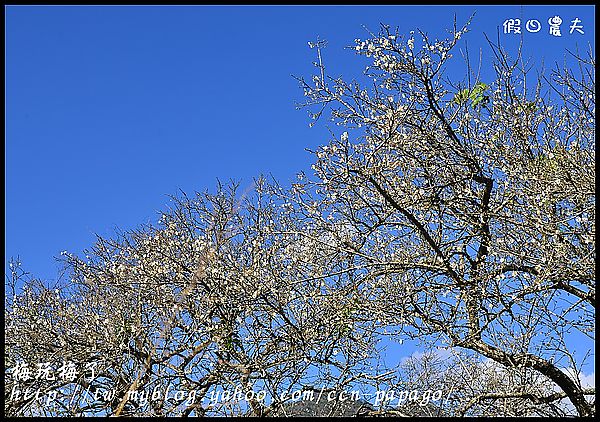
(111,109)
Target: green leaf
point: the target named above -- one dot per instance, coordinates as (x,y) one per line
(479,88)
(231,342)
(528,107)
(531,107)
(476,95)
(461,96)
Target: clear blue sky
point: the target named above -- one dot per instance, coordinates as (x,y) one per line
(110,109)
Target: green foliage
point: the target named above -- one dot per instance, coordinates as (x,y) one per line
(232,341)
(347,314)
(528,107)
(476,95)
(461,97)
